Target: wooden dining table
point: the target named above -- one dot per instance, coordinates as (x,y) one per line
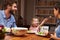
(28,37)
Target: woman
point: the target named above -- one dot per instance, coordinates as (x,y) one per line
(57,15)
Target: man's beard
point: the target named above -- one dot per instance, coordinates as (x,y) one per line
(11,11)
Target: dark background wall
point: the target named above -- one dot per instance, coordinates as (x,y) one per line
(29,10)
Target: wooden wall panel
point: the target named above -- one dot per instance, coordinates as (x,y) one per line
(44,8)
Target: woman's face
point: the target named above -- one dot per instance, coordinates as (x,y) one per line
(56,12)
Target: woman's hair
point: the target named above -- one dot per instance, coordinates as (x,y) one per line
(57,6)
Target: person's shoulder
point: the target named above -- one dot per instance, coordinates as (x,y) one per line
(12,17)
(1,12)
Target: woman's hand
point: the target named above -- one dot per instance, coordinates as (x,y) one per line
(52,36)
(55,37)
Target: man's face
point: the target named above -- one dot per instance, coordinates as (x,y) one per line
(55,12)
(14,7)
(9,7)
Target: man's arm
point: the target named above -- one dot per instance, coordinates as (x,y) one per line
(14,22)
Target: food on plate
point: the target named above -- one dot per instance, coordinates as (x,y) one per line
(40,33)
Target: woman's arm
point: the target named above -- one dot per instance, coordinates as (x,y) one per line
(54,36)
(46,19)
(43,21)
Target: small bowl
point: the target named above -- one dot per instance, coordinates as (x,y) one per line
(19,31)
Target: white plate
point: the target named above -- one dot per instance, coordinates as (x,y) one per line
(40,34)
(20,28)
(30,32)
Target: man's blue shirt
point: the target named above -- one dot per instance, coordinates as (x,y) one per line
(7,22)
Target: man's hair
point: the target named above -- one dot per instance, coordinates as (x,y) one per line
(6,4)
(14,2)
(57,6)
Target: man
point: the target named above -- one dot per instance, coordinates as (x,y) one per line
(6,18)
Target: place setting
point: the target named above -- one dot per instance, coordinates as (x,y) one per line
(17,31)
(43,31)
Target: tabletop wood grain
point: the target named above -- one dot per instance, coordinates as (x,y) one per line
(27,37)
